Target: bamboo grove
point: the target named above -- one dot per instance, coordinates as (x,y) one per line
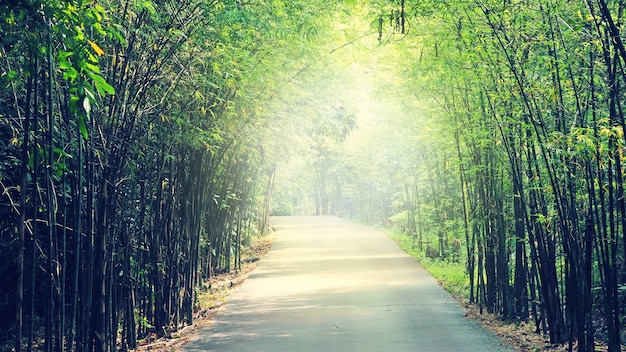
(139,141)
(502,130)
(522,158)
(133,164)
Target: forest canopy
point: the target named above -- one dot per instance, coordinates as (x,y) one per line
(144,143)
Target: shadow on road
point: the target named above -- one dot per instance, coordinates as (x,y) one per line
(332,285)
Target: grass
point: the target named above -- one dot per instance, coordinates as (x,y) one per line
(451,275)
(453,278)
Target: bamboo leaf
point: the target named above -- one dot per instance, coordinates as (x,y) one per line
(87,105)
(82,127)
(62,152)
(101,85)
(96,48)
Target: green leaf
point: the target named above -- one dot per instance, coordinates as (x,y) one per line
(74,104)
(89,94)
(146,5)
(71,74)
(31,161)
(82,127)
(79,36)
(63,55)
(101,85)
(92,67)
(12,74)
(62,152)
(60,169)
(65,65)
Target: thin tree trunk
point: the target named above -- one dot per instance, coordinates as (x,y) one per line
(24,194)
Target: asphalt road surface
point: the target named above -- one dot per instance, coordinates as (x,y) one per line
(332,285)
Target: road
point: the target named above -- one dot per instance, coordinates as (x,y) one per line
(332,285)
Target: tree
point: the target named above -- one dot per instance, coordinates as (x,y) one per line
(133,158)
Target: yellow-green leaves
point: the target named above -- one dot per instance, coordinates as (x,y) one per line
(96,48)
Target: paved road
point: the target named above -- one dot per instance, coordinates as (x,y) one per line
(331,285)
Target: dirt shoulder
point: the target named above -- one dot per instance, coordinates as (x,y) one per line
(521,336)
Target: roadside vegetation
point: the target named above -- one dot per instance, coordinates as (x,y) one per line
(138,141)
(450,273)
(452,276)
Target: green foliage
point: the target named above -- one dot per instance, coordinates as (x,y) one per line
(133,117)
(156,137)
(451,275)
(519,88)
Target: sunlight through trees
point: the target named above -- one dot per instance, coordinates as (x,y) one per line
(145,143)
